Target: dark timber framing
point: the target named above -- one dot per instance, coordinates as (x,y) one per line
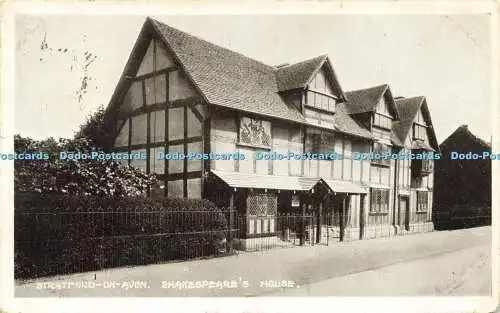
(143,108)
(184,179)
(165,143)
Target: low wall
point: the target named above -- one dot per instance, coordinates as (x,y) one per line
(378,231)
(422,227)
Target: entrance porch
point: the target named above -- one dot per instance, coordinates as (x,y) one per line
(339,208)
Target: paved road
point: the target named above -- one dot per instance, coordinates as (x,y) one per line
(464,272)
(438,263)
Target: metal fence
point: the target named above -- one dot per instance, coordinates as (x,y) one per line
(57,243)
(53,243)
(270,232)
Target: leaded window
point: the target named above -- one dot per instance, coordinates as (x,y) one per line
(379,201)
(262,204)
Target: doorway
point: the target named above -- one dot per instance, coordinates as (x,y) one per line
(404,213)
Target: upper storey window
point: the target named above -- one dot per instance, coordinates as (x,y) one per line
(419,127)
(382,117)
(320,94)
(382,121)
(419,131)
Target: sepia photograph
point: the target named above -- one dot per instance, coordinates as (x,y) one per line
(252,155)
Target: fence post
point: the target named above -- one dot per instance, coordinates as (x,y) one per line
(319,222)
(231,222)
(328,219)
(302,225)
(341,219)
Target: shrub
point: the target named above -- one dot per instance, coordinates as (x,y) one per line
(75,177)
(97,129)
(58,234)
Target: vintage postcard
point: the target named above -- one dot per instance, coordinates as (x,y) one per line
(251,157)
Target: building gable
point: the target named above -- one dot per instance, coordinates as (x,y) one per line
(383,108)
(156,58)
(420,128)
(419,118)
(323,94)
(321,82)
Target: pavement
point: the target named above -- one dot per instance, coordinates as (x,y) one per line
(443,263)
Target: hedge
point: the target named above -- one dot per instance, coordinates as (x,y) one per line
(63,234)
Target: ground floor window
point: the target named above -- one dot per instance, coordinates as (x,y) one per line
(262,204)
(422,197)
(379,201)
(262,208)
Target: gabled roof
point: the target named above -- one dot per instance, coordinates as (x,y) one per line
(463,136)
(229,79)
(367,99)
(395,140)
(297,75)
(300,75)
(408,109)
(346,124)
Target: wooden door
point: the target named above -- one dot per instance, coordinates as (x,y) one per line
(404,213)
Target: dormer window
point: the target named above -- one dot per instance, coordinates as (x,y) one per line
(320,101)
(382,154)
(419,127)
(382,121)
(320,94)
(419,131)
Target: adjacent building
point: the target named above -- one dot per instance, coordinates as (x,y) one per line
(463,186)
(179,93)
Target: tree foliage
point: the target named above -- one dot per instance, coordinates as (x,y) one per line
(96,130)
(77,177)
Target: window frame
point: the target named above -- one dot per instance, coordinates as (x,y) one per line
(422,207)
(376,207)
(416,134)
(319,141)
(381,161)
(332,100)
(427,166)
(378,117)
(268,205)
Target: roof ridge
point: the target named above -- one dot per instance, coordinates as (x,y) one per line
(407,99)
(323,56)
(464,129)
(208,42)
(385,85)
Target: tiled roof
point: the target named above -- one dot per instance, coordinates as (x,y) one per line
(394,138)
(346,124)
(463,135)
(230,79)
(227,78)
(365,100)
(420,145)
(345,186)
(408,109)
(298,75)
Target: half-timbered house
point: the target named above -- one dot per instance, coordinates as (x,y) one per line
(414,185)
(179,93)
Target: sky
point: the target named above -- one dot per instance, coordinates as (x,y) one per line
(67,66)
